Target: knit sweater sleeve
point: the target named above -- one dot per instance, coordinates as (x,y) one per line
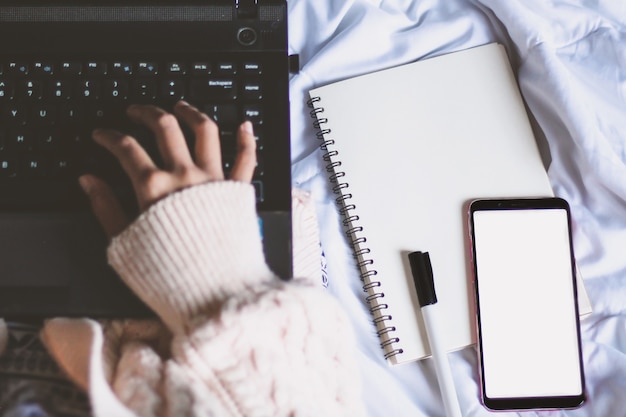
(192,250)
(245,343)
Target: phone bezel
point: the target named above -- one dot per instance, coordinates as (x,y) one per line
(524,403)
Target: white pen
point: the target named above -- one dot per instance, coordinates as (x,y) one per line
(425,286)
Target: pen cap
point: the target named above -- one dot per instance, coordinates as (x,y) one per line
(423,277)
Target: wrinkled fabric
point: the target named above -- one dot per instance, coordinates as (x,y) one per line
(570,59)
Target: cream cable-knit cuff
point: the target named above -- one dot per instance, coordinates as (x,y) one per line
(192,250)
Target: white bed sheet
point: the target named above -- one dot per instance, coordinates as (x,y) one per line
(570,58)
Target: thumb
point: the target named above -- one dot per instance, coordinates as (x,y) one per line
(105,205)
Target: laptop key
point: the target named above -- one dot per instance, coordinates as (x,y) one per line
(172,89)
(99,162)
(144,89)
(7,89)
(44,115)
(71,68)
(147,68)
(47,140)
(259,170)
(122,68)
(30,89)
(32,166)
(60,89)
(116,89)
(176,68)
(89,89)
(252,90)
(17,68)
(70,114)
(213,89)
(258,188)
(223,114)
(77,140)
(14,115)
(226,68)
(228,140)
(7,167)
(253,114)
(201,68)
(20,139)
(252,68)
(60,168)
(96,68)
(43,68)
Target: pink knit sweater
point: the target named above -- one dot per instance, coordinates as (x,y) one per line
(235,340)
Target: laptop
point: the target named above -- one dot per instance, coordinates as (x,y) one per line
(69,66)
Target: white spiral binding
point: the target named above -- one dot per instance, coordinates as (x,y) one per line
(355,234)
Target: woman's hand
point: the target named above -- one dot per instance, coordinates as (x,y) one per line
(181,168)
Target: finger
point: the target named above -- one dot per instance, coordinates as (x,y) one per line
(132,156)
(208,149)
(169,136)
(245,163)
(104,205)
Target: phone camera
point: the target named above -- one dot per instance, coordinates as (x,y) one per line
(247,36)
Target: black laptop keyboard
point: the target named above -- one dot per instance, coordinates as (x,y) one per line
(49,108)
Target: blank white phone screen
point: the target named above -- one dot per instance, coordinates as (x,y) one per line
(526,302)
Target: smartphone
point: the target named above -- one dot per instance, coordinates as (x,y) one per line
(526,304)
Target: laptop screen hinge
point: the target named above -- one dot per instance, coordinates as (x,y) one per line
(247,9)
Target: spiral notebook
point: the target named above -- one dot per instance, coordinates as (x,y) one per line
(407,148)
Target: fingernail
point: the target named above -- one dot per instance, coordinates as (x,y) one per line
(183,103)
(85,183)
(97,133)
(132,109)
(247,126)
